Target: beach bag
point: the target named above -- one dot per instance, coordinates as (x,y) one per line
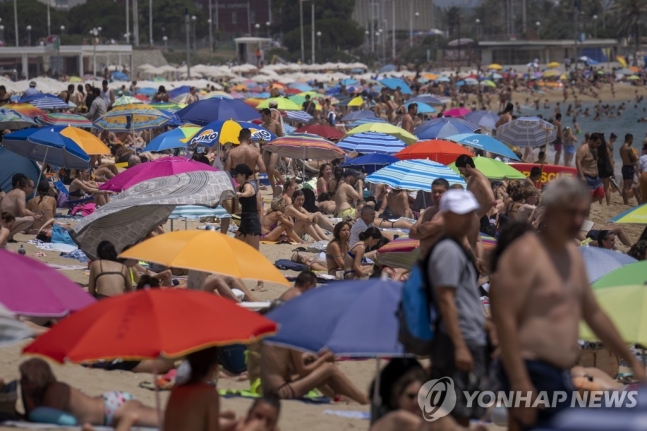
(417,314)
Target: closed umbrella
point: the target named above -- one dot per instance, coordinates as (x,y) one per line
(31,288)
(172,139)
(484,143)
(494,169)
(413,175)
(10,119)
(439,128)
(371,142)
(385,128)
(527,132)
(206,111)
(438,150)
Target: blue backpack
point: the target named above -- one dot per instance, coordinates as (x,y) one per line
(417,313)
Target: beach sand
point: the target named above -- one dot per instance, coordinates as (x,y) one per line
(295,415)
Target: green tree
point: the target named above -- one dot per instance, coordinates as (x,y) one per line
(336,35)
(30,12)
(627,16)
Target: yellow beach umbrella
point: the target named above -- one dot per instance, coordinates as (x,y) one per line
(431,76)
(551,73)
(356,101)
(86,140)
(281,103)
(385,128)
(75,79)
(621,60)
(495,66)
(207,251)
(553,65)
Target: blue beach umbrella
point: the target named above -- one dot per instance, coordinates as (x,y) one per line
(45,101)
(370,163)
(439,128)
(394,83)
(371,142)
(482,118)
(350,318)
(171,139)
(348,81)
(423,108)
(428,99)
(206,111)
(146,91)
(362,114)
(527,132)
(485,143)
(414,175)
(600,262)
(301,116)
(388,68)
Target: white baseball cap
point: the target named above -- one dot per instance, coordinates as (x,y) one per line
(458,202)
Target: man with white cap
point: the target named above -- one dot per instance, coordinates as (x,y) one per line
(460,344)
(31,90)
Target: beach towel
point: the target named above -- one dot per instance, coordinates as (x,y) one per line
(61,236)
(348,414)
(76,254)
(287,264)
(85,209)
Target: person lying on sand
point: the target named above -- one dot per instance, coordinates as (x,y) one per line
(41,389)
(306,280)
(285,374)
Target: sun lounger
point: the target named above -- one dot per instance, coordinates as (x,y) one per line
(68,203)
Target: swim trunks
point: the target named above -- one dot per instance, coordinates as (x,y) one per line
(112,401)
(558,144)
(350,212)
(547,379)
(628,172)
(595,186)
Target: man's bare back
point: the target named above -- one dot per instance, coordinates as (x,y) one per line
(345,196)
(12,203)
(627,155)
(407,123)
(190,408)
(480,186)
(245,154)
(274,127)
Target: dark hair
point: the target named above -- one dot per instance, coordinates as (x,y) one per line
(371,232)
(415,374)
(337,229)
(440,182)
(602,236)
(603,152)
(245,134)
(43,189)
(613,136)
(628,136)
(104,82)
(535,171)
(265,111)
(38,372)
(296,194)
(7,217)
(79,88)
(96,91)
(106,251)
(507,236)
(201,363)
(351,173)
(147,281)
(370,199)
(464,160)
(509,107)
(16,180)
(323,197)
(558,116)
(411,106)
(271,401)
(161,89)
(305,278)
(321,169)
(638,250)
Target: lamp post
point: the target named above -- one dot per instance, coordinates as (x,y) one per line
(165,39)
(209,21)
(127,34)
(595,26)
(312,27)
(15,21)
(538,24)
(257,26)
(267,25)
(319,40)
(367,33)
(193,20)
(478,28)
(62,29)
(95,40)
(2,32)
(49,20)
(303,50)
(416,15)
(28,35)
(150,22)
(188,42)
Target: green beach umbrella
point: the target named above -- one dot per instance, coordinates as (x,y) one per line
(488,83)
(633,78)
(627,275)
(282,103)
(494,169)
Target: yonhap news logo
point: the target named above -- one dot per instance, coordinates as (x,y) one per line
(437,398)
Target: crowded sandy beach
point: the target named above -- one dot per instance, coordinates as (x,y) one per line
(334,248)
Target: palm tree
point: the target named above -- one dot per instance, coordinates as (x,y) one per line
(627,15)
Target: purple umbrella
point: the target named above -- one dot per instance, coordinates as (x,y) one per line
(163,167)
(31,288)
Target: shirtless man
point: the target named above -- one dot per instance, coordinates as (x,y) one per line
(628,167)
(346,196)
(284,374)
(477,183)
(586,162)
(270,159)
(15,202)
(539,292)
(192,97)
(558,143)
(305,281)
(407,119)
(249,155)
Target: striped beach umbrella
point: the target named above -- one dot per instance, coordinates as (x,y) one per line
(65,119)
(45,101)
(386,128)
(414,175)
(10,119)
(301,116)
(127,118)
(26,109)
(305,146)
(527,132)
(371,142)
(440,128)
(127,100)
(167,106)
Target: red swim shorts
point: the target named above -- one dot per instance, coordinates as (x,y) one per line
(598,193)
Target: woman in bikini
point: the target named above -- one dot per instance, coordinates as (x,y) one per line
(337,248)
(41,389)
(275,224)
(83,184)
(323,182)
(43,204)
(304,222)
(289,187)
(108,276)
(353,266)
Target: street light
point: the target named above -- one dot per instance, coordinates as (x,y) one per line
(478,28)
(257,26)
(2,32)
(416,15)
(538,24)
(595,26)
(95,40)
(268,24)
(165,39)
(193,20)
(210,33)
(319,40)
(62,28)
(28,35)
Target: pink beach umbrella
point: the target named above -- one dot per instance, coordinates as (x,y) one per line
(163,167)
(31,288)
(457,112)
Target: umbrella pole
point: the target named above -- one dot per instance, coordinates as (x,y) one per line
(40,174)
(158,403)
(377,400)
(303,163)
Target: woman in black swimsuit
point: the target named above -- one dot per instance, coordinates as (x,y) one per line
(108,276)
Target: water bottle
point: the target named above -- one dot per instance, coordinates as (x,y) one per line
(21,250)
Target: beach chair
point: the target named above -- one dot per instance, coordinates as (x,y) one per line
(60,187)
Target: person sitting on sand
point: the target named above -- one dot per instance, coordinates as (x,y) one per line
(276,225)
(289,187)
(305,281)
(6,224)
(396,205)
(324,177)
(353,266)
(305,222)
(284,374)
(83,184)
(195,405)
(42,204)
(337,248)
(325,204)
(108,276)
(41,389)
(346,196)
(404,397)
